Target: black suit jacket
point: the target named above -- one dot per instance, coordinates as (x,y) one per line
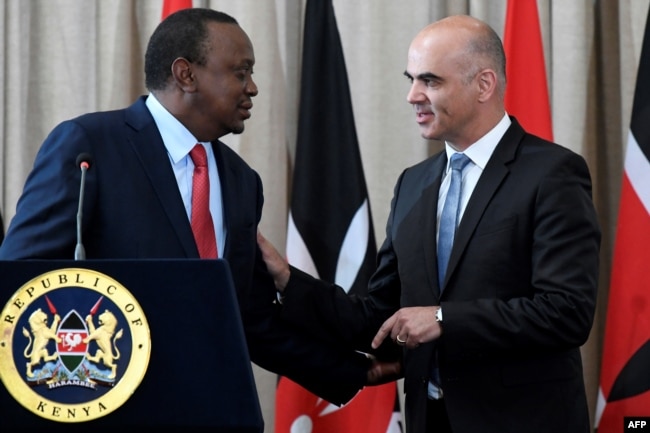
(519,295)
(133,209)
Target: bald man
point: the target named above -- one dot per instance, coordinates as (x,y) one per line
(490,330)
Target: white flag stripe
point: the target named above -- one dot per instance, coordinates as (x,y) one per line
(297,252)
(637,168)
(331,408)
(600,406)
(395,424)
(354,248)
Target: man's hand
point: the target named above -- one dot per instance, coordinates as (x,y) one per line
(277,266)
(410,327)
(381,372)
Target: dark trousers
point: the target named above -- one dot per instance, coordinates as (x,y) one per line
(437,420)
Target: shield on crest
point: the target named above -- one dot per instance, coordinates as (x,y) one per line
(72,349)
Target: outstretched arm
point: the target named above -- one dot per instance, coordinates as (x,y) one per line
(379,372)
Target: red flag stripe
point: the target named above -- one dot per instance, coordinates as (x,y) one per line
(628,319)
(300,411)
(171,6)
(625,372)
(526,95)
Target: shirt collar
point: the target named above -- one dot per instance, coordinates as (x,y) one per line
(481,150)
(177,138)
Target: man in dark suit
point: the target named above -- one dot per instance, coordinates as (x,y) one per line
(198,66)
(494,346)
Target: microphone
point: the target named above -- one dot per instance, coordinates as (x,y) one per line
(83,162)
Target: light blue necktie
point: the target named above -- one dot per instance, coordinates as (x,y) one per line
(448,224)
(450,212)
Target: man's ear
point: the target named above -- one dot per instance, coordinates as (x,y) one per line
(183,74)
(487,83)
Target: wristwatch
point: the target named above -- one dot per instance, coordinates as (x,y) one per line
(439,315)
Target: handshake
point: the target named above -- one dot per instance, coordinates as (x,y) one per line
(380,371)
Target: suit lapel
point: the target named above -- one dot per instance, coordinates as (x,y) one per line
(430,194)
(228,194)
(147,144)
(494,174)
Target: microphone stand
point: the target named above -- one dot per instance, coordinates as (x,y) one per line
(80,251)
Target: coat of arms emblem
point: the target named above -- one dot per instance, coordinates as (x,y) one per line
(74,344)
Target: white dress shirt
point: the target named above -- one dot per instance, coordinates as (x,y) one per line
(179,142)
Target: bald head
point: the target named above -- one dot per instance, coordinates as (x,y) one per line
(469,42)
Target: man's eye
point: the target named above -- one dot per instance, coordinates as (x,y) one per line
(431,82)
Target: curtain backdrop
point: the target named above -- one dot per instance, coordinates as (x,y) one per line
(62,58)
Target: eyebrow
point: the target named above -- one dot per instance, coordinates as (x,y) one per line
(427,76)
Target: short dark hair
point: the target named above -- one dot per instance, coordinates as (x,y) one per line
(485,50)
(181,34)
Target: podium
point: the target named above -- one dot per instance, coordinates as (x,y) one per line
(195,374)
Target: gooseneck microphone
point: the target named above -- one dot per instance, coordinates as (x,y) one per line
(83,162)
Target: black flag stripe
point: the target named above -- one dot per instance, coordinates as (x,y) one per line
(328,185)
(639,125)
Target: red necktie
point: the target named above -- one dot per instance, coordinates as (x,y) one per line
(202,225)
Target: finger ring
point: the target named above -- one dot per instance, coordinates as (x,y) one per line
(399,340)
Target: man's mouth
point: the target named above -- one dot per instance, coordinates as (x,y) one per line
(423,116)
(245,109)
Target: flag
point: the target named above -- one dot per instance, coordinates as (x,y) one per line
(625,370)
(171,6)
(526,95)
(330,231)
